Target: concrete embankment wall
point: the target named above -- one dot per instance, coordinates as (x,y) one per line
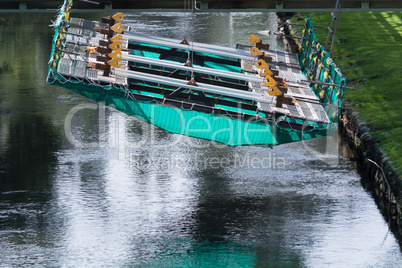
(385,182)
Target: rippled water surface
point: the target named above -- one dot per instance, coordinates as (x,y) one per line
(121,193)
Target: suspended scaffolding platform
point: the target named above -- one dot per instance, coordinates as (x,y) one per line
(248,95)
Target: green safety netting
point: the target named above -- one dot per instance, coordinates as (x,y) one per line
(317,65)
(217,127)
(60,26)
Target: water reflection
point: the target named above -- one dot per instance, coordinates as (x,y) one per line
(22,138)
(140,196)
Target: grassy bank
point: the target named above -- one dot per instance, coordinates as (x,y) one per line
(368,50)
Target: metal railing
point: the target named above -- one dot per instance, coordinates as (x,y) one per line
(202,5)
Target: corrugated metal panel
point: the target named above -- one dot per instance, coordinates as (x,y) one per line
(88,25)
(92,73)
(64,69)
(64,66)
(322,116)
(293,110)
(76,21)
(80,72)
(307,110)
(80,64)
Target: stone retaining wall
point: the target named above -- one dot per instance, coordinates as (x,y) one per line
(386,183)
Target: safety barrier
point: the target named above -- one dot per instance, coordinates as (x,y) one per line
(318,66)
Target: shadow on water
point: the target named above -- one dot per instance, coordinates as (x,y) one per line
(228,220)
(27,166)
(29,144)
(235,226)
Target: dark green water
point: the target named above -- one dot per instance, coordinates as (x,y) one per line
(87,186)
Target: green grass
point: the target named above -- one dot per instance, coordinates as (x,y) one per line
(368,50)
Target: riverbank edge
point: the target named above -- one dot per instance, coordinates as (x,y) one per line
(383,179)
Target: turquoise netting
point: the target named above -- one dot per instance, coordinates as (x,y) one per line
(317,64)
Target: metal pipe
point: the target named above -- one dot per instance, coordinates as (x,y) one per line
(286,35)
(203,70)
(328,84)
(297,24)
(235,54)
(321,103)
(336,26)
(177,41)
(212,89)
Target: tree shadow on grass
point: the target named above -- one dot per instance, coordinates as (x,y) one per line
(391,29)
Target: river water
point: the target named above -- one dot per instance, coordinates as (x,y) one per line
(82,185)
